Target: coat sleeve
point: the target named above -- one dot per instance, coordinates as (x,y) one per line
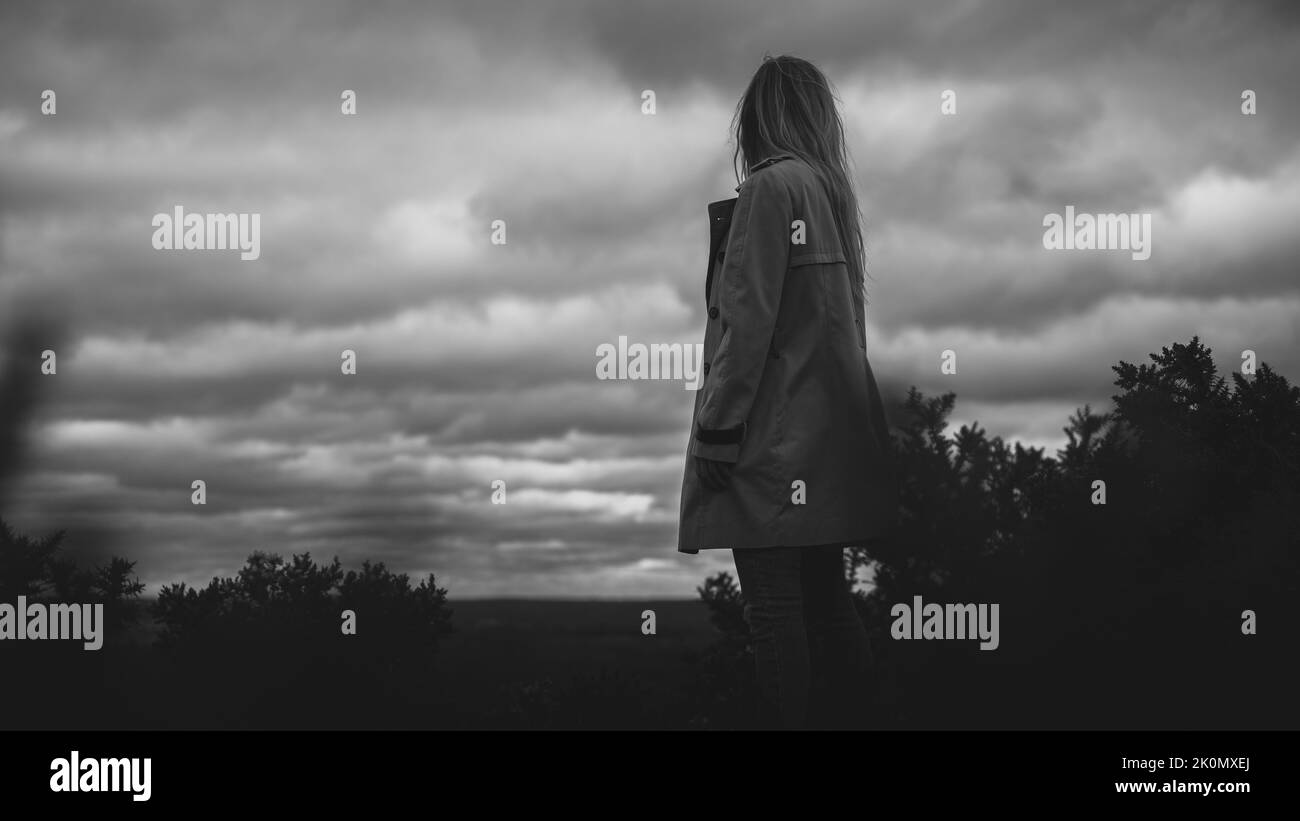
(748,299)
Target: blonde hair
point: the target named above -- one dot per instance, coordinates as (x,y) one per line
(790,108)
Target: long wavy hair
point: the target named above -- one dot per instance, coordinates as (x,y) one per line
(790,108)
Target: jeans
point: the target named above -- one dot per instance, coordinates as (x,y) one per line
(803,623)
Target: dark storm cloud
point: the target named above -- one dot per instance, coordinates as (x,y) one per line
(477,361)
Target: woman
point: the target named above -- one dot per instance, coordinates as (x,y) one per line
(789,459)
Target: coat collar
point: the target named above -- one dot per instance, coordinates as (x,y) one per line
(765,162)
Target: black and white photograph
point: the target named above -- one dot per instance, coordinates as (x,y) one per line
(421,372)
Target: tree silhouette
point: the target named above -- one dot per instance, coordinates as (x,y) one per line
(37,569)
(725,693)
(283,620)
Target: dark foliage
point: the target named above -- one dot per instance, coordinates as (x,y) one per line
(725,693)
(1122,614)
(282,623)
(44,681)
(37,569)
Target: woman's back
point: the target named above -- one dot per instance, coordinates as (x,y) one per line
(787,379)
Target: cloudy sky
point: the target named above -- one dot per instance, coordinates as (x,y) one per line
(476,361)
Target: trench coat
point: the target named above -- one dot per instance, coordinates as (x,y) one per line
(787,394)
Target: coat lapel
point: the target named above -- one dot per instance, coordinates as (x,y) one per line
(719,223)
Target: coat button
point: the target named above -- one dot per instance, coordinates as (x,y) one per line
(706,368)
(713,312)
